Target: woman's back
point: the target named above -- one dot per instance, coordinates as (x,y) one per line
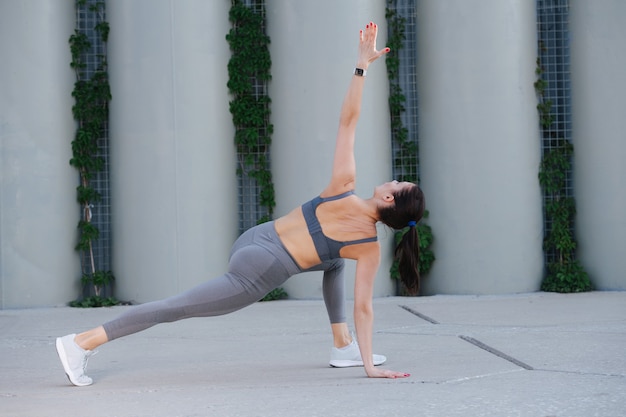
(345,219)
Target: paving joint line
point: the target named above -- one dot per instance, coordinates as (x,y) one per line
(420,315)
(584,373)
(496,352)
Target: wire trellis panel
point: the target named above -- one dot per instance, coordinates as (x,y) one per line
(554,57)
(250,209)
(406,163)
(86,20)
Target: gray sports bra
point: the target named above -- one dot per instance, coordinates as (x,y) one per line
(326,247)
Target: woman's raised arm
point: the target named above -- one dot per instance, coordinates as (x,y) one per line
(344,167)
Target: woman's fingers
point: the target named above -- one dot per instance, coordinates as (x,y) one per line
(394,375)
(371,31)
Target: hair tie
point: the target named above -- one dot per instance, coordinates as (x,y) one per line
(412,223)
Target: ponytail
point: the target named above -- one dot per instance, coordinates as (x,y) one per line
(407,211)
(407,254)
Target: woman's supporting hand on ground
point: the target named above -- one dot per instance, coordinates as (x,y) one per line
(385,373)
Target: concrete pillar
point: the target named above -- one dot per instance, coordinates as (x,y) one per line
(172,162)
(314,49)
(598,126)
(479,144)
(38,209)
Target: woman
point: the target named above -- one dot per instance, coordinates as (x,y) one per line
(315,236)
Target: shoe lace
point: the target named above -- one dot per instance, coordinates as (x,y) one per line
(86,357)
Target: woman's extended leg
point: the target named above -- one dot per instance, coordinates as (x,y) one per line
(258,265)
(91,339)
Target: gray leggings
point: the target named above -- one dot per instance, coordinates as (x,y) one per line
(258,264)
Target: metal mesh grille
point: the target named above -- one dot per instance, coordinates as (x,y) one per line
(86,19)
(405,164)
(257,7)
(554,57)
(250,211)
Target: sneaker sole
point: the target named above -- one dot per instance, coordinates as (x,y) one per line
(349,364)
(345,364)
(66,367)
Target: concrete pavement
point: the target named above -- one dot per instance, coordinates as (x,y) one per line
(540,354)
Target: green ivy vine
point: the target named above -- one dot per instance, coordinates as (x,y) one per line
(248,66)
(91,112)
(399,133)
(405,160)
(565,274)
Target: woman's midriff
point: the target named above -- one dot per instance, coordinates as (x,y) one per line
(294,234)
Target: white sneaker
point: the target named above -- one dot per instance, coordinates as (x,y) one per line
(74,360)
(351,356)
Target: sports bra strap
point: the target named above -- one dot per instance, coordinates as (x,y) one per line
(336,197)
(326,247)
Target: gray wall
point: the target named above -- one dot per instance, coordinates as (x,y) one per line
(479,144)
(598,35)
(173,161)
(38,209)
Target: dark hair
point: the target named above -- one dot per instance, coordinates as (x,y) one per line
(409,207)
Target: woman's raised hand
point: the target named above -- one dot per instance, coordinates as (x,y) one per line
(367,46)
